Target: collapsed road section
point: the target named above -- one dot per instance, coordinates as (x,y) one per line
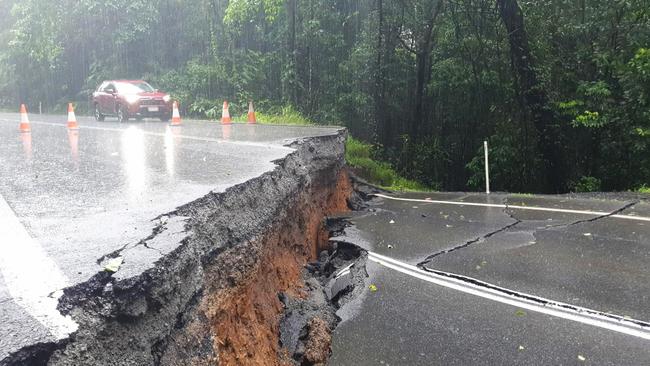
(230,282)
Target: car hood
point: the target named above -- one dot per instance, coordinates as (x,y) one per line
(152,94)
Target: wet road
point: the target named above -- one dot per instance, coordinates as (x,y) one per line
(586,253)
(68,198)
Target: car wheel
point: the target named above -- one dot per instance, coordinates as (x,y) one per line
(98,114)
(164,118)
(122,114)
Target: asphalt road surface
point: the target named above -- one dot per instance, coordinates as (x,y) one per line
(475,279)
(456,278)
(69,198)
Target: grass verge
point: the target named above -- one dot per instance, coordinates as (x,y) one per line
(287,116)
(644,189)
(359,156)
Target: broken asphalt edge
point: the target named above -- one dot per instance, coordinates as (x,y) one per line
(133,320)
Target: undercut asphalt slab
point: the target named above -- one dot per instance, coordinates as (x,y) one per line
(76,196)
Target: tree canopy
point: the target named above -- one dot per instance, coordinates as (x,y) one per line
(559,88)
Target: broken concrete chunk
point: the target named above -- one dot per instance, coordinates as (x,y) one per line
(338,285)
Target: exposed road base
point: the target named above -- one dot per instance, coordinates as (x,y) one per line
(220,295)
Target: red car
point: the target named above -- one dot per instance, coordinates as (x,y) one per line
(130,98)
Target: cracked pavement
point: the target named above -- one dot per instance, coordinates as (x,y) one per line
(592,261)
(78,199)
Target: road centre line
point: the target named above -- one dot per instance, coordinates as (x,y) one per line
(544,306)
(162,134)
(517,207)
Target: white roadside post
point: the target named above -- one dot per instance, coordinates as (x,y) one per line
(487,168)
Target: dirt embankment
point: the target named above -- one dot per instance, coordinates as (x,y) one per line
(245,319)
(237,290)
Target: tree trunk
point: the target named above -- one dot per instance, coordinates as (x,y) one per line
(378,95)
(291,45)
(423,71)
(534,96)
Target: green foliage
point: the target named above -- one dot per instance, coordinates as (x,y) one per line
(588,119)
(341,62)
(510,163)
(286,116)
(359,156)
(586,184)
(205,108)
(240,12)
(644,189)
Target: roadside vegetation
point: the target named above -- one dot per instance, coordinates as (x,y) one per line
(360,157)
(285,116)
(560,89)
(644,189)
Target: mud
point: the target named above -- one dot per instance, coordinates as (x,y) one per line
(238,275)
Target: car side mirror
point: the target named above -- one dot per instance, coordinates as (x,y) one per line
(110,91)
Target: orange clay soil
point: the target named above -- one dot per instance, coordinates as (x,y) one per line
(245,318)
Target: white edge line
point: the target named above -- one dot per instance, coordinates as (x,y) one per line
(491,294)
(531,208)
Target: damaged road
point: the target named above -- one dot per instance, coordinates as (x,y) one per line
(501,279)
(144,244)
(205,244)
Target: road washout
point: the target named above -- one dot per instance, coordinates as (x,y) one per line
(250,279)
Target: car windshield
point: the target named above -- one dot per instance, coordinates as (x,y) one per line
(134,88)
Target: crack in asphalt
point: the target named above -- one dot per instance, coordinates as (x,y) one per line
(582,221)
(159,228)
(476,240)
(508,212)
(615,212)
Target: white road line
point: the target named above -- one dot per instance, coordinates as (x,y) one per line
(552,308)
(30,275)
(162,134)
(516,207)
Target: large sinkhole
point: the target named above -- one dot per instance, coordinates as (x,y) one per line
(253,279)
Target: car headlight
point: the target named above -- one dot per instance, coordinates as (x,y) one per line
(132,98)
(167,98)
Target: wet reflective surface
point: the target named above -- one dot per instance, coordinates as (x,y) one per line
(78,195)
(585,260)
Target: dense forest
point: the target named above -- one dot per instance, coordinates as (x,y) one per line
(559,88)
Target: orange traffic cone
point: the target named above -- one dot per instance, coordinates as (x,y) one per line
(176,117)
(72,120)
(24,120)
(251,113)
(225,115)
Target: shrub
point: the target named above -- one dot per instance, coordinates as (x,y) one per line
(359,155)
(586,184)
